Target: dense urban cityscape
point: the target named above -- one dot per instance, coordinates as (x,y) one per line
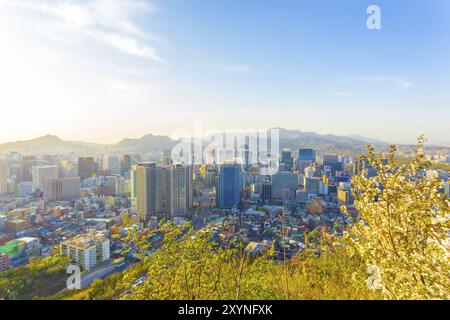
(224,158)
(71,205)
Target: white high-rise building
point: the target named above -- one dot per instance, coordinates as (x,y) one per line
(86,250)
(42,173)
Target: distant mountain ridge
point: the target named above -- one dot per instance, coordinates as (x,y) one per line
(53,144)
(366,139)
(292,139)
(147,142)
(47,142)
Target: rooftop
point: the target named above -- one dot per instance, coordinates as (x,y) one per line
(85,241)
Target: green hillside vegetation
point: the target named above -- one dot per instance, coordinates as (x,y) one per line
(440,166)
(404,227)
(190,266)
(40,277)
(433,165)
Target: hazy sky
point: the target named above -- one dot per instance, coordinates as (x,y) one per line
(103,70)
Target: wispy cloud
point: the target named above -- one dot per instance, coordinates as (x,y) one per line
(400,83)
(125,44)
(109,22)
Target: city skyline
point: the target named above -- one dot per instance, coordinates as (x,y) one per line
(245,152)
(129,68)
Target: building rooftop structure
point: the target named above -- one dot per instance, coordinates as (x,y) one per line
(85,241)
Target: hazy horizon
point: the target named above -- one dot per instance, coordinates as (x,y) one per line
(361,138)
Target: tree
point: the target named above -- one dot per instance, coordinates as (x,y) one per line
(403,226)
(41,277)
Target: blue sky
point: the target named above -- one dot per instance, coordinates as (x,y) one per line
(128,68)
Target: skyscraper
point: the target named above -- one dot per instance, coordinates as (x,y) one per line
(3,178)
(266,192)
(313,185)
(180,190)
(28,162)
(166,157)
(163,191)
(286,158)
(24,189)
(16,172)
(111,163)
(133,181)
(109,185)
(62,189)
(284,185)
(67,169)
(152,190)
(125,165)
(333,162)
(85,167)
(329,158)
(42,173)
(229,187)
(307,155)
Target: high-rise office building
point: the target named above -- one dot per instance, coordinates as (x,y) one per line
(286,158)
(111,164)
(125,165)
(67,169)
(332,161)
(152,190)
(42,173)
(284,185)
(180,190)
(211,176)
(344,197)
(247,155)
(62,189)
(313,185)
(307,155)
(109,185)
(367,168)
(166,157)
(229,186)
(86,166)
(133,182)
(24,189)
(163,191)
(16,172)
(266,192)
(3,178)
(28,162)
(330,158)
